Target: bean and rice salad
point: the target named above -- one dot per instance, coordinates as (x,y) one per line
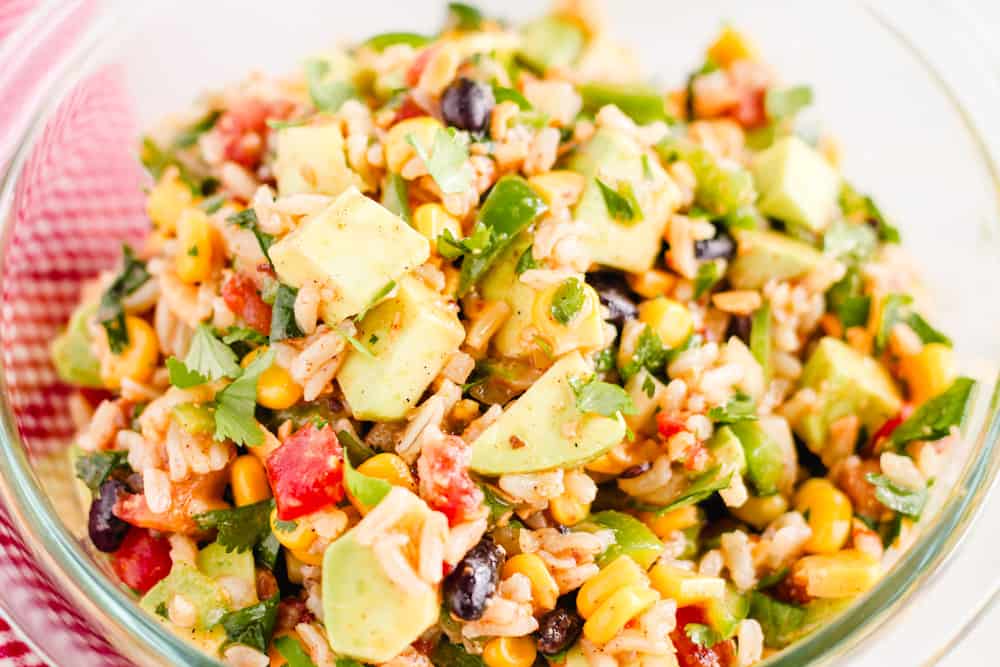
(476,349)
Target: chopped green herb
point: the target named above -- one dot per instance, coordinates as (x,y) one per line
(898,308)
(283,324)
(501,94)
(93,469)
(239,528)
(235,334)
(247,219)
(602,398)
(385,40)
(464,17)
(526,261)
(382,293)
(208,359)
(649,386)
(567,300)
(498,505)
(779,621)
(772,579)
(446,654)
(702,635)
(740,407)
(452,248)
(780,103)
(293,653)
(161,610)
(189,136)
(213,204)
(358,346)
(850,242)
(905,501)
(234,405)
(700,488)
(326,95)
(938,416)
(110,312)
(358,451)
(266,552)
(448,162)
(604,360)
(251,626)
(708,276)
(621,204)
(846,299)
(396,196)
(650,354)
(863,208)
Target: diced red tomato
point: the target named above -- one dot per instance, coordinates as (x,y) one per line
(690,654)
(667,425)
(418,66)
(408,109)
(750,112)
(95,396)
(445,484)
(306,472)
(243,129)
(886,429)
(142,559)
(241,296)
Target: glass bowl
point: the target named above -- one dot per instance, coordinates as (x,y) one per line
(908,91)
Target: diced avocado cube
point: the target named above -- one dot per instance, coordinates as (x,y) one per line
(72,355)
(614,157)
(727,450)
(764,457)
(550,42)
(410,337)
(574,657)
(777,429)
(353,248)
(502,283)
(724,614)
(644,390)
(310,158)
(203,592)
(215,562)
(796,184)
(763,255)
(367,616)
(632,538)
(846,382)
(544,429)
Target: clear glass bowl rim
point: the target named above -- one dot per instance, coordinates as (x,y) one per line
(140,637)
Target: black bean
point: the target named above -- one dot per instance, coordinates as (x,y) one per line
(615,295)
(722,246)
(467,105)
(558,629)
(106,530)
(739,326)
(474,580)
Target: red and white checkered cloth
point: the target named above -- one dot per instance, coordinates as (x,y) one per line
(77,199)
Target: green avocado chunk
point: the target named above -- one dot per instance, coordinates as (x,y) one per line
(764,457)
(544,429)
(727,450)
(215,562)
(766,255)
(203,592)
(367,616)
(632,538)
(502,283)
(724,614)
(72,356)
(617,159)
(796,184)
(550,42)
(846,382)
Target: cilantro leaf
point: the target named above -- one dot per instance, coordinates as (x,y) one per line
(526,261)
(234,409)
(898,308)
(860,207)
(501,94)
(906,502)
(701,487)
(602,398)
(94,468)
(189,136)
(464,17)
(239,528)
(925,331)
(708,276)
(847,301)
(567,300)
(937,416)
(454,655)
(395,196)
(235,334)
(266,552)
(208,358)
(782,103)
(358,346)
(283,324)
(383,292)
(293,653)
(386,39)
(499,506)
(213,204)
(621,204)
(251,626)
(183,377)
(739,408)
(247,219)
(604,360)
(702,635)
(369,491)
(850,242)
(448,162)
(326,95)
(110,312)
(649,353)
(354,449)
(779,621)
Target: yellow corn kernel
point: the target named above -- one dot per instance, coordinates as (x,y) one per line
(685,587)
(510,652)
(560,187)
(671,321)
(679,519)
(544,589)
(623,605)
(650,284)
(398,150)
(432,219)
(308,556)
(623,571)
(624,455)
(758,512)
(928,372)
(193,262)
(583,331)
(829,515)
(275,387)
(837,575)
(168,198)
(137,360)
(568,511)
(730,46)
(297,537)
(388,467)
(249,480)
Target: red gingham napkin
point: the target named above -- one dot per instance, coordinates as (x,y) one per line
(77,199)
